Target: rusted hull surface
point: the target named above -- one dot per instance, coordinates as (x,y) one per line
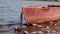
(39,14)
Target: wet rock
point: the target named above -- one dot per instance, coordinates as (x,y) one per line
(17,29)
(1,26)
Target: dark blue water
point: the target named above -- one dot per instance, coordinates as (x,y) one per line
(10,12)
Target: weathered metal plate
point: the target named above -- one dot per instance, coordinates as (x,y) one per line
(39,14)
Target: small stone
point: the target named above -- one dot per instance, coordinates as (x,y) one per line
(47,27)
(40,31)
(34,32)
(26,32)
(55,24)
(34,24)
(51,22)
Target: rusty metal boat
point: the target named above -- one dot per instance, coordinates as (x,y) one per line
(40,14)
(45,15)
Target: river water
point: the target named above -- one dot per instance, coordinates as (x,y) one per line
(10,13)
